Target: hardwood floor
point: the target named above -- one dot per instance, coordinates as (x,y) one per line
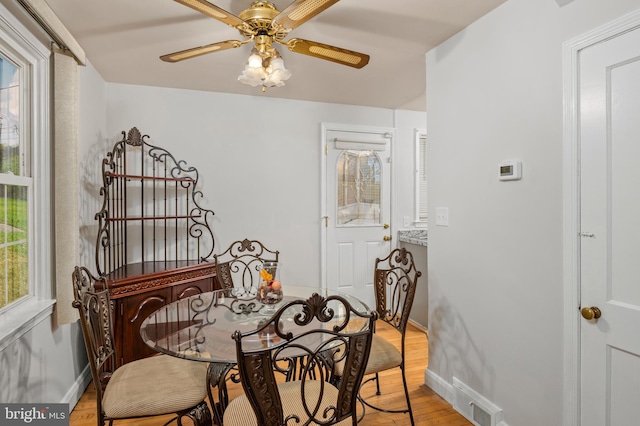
(428,407)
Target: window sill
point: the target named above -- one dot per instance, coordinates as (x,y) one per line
(21,319)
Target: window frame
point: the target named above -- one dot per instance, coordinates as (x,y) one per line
(419,134)
(33,56)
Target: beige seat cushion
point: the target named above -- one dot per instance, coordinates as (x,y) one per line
(240,413)
(157,385)
(384,355)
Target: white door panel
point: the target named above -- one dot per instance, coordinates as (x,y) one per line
(610,225)
(358,208)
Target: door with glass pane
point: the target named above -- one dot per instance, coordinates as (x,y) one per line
(358,182)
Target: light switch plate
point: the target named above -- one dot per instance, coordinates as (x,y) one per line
(442,216)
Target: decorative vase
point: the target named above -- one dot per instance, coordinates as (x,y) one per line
(270,289)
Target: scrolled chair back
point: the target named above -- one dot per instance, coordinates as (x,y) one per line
(320,331)
(395,280)
(91,298)
(239,265)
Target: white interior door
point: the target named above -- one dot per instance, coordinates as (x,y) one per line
(610,231)
(358,209)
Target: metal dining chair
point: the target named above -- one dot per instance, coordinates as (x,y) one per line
(146,387)
(311,398)
(238,269)
(395,280)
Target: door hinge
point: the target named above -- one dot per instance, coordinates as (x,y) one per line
(121,309)
(326,149)
(326,221)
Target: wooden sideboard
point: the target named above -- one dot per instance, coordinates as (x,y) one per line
(138,289)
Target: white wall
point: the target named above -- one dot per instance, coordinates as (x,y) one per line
(44,365)
(258,158)
(494,92)
(93,145)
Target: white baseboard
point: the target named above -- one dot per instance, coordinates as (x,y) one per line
(439,385)
(74,393)
(444,389)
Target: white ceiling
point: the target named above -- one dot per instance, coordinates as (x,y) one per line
(123,40)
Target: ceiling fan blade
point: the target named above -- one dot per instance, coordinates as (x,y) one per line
(203,6)
(329,53)
(202,50)
(300,11)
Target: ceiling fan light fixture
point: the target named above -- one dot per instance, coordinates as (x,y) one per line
(255,60)
(277,70)
(267,72)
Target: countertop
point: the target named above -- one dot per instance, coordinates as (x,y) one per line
(413,236)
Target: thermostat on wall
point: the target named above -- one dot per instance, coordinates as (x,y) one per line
(510,170)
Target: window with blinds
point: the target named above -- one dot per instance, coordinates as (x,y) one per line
(421,177)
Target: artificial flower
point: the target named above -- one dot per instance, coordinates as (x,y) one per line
(265,275)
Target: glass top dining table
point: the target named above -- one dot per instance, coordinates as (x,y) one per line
(200,327)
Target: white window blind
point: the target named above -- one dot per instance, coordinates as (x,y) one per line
(421,177)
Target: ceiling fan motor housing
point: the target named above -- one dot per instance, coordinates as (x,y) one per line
(259,15)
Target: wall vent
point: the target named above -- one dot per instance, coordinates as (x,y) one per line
(474,407)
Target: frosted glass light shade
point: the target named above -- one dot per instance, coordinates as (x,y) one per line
(269,72)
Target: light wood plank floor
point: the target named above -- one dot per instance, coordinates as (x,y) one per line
(428,407)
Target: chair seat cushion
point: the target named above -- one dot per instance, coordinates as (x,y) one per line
(240,413)
(152,386)
(384,355)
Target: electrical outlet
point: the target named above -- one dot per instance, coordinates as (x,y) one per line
(442,216)
(406,221)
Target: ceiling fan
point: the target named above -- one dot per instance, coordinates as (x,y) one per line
(264,25)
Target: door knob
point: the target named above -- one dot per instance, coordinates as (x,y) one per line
(591,313)
(385,226)
(387,238)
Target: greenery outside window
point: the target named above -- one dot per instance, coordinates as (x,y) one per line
(420,180)
(15,189)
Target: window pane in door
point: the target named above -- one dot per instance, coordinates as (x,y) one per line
(359,177)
